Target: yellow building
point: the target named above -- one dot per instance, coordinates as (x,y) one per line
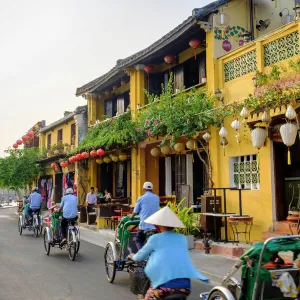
(232,47)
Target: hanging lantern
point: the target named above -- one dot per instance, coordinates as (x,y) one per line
(79,156)
(224,142)
(288,133)
(19,142)
(191,145)
(290,113)
(165,149)
(71,159)
(148,69)
(93,153)
(236,125)
(99,161)
(25,138)
(179,147)
(100,152)
(195,43)
(244,113)
(85,155)
(106,159)
(155,152)
(169,59)
(54,165)
(258,137)
(266,117)
(223,132)
(207,137)
(62,164)
(122,157)
(15,146)
(114,158)
(30,133)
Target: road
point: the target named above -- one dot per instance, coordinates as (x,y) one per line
(27,273)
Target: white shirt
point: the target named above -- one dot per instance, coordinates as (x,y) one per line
(91,198)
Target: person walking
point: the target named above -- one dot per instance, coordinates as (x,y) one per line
(146,206)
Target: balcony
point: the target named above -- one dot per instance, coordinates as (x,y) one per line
(236,69)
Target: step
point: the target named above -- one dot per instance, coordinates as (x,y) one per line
(267,235)
(282,226)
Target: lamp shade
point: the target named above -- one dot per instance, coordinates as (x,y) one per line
(106,159)
(223,132)
(155,152)
(290,113)
(99,161)
(288,134)
(207,137)
(179,147)
(266,117)
(258,137)
(115,158)
(123,156)
(236,124)
(191,145)
(244,113)
(165,149)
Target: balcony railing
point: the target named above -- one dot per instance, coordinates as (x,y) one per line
(274,47)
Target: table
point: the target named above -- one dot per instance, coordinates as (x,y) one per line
(236,222)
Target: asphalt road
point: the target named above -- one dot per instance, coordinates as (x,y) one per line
(26,272)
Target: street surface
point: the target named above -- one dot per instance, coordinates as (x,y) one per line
(28,273)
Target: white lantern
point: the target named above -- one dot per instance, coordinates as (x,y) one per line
(288,134)
(191,145)
(165,149)
(223,132)
(258,137)
(206,137)
(179,147)
(155,152)
(290,113)
(244,113)
(236,124)
(265,117)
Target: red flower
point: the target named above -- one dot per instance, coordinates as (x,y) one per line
(146,121)
(155,122)
(138,129)
(148,132)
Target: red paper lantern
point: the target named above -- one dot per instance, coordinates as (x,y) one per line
(100,152)
(74,159)
(19,142)
(71,159)
(148,69)
(62,164)
(15,146)
(194,43)
(79,156)
(30,133)
(169,59)
(85,155)
(25,138)
(93,153)
(54,165)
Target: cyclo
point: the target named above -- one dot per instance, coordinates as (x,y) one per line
(265,275)
(35,224)
(53,237)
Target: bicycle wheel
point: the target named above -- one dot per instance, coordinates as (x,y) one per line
(78,239)
(78,246)
(20,226)
(217,295)
(72,247)
(110,264)
(46,242)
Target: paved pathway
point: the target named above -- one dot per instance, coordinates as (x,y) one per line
(27,273)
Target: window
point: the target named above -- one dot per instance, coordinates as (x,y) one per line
(178,172)
(59,136)
(120,179)
(244,172)
(108,108)
(73,134)
(120,105)
(49,141)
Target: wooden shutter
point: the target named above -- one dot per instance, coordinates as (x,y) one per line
(120,105)
(178,78)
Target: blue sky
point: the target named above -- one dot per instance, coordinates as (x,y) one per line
(49,48)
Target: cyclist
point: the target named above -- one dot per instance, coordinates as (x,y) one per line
(35,200)
(70,212)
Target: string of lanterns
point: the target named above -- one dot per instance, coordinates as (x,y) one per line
(24,139)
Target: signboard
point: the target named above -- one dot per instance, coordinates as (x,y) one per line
(184,192)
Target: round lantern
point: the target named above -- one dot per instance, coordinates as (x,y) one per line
(179,147)
(223,132)
(15,146)
(19,142)
(207,137)
(99,161)
(258,137)
(265,117)
(63,164)
(288,133)
(191,145)
(123,157)
(100,152)
(169,59)
(53,165)
(244,113)
(114,158)
(290,113)
(223,142)
(30,133)
(165,149)
(85,155)
(195,43)
(71,159)
(155,152)
(236,124)
(93,153)
(25,138)
(106,159)
(79,156)
(148,69)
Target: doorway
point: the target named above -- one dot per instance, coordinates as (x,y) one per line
(106,177)
(58,188)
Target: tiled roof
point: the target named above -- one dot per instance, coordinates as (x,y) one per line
(198,14)
(66,118)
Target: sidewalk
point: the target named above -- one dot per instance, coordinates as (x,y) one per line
(215,267)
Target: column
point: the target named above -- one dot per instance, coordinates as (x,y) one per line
(190,176)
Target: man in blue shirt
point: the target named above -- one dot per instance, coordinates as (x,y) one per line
(35,200)
(70,211)
(146,206)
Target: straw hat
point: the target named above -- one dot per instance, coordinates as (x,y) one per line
(165,217)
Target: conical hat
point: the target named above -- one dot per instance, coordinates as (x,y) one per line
(165,217)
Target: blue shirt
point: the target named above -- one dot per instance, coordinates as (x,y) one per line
(169,259)
(146,206)
(69,203)
(35,200)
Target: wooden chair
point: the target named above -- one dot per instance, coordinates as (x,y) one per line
(91,215)
(115,220)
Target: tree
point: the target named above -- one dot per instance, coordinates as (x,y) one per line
(19,169)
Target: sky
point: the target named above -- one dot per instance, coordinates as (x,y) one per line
(49,48)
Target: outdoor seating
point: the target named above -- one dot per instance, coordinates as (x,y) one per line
(91,214)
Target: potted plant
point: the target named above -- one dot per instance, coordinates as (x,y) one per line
(54,149)
(67,148)
(188,218)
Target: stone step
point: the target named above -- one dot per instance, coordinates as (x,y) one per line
(282,226)
(268,234)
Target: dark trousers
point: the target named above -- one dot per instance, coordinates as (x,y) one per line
(64,226)
(31,210)
(142,237)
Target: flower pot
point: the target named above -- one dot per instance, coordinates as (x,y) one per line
(190,240)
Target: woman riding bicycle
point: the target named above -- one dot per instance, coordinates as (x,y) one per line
(169,267)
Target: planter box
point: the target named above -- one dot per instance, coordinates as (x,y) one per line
(190,240)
